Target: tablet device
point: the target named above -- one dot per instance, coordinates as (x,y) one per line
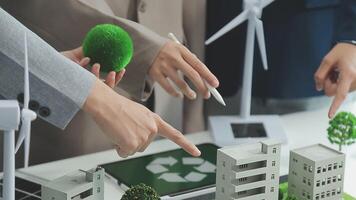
(170,173)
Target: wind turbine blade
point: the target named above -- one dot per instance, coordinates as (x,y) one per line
(228,27)
(265,3)
(27,144)
(261,42)
(26,79)
(23,133)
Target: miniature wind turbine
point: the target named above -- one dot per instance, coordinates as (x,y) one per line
(247,126)
(9,122)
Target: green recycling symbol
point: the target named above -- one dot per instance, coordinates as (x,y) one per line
(160,166)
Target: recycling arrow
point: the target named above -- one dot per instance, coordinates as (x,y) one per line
(206,167)
(195,177)
(164,161)
(161,166)
(156,166)
(172,177)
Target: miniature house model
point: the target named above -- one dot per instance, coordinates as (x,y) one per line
(248,171)
(316,172)
(79,185)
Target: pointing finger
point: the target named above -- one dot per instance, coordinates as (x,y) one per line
(177,137)
(341,93)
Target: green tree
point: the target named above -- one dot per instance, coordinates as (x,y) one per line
(342,129)
(141,192)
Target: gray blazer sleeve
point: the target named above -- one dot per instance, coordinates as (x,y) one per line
(58,86)
(64,24)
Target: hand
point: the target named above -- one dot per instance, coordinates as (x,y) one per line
(174,57)
(76,55)
(337,74)
(129,125)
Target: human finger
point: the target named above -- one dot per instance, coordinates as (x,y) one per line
(110,79)
(119,76)
(166,85)
(193,76)
(84,62)
(166,130)
(180,83)
(322,73)
(343,88)
(96,70)
(200,67)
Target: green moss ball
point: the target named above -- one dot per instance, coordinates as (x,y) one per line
(110,46)
(141,192)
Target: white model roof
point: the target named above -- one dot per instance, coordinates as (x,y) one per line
(247,150)
(317,152)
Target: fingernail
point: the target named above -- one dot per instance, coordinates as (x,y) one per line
(208,95)
(192,94)
(198,152)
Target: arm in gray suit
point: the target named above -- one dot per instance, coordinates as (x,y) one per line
(52,76)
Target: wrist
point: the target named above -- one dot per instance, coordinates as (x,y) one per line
(97,103)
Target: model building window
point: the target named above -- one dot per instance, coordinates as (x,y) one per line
(334,179)
(338,190)
(304,180)
(324,169)
(305,167)
(335,165)
(274,150)
(333,192)
(319,170)
(272,189)
(330,167)
(317,183)
(317,197)
(272,176)
(323,182)
(339,178)
(329,180)
(309,183)
(308,196)
(273,163)
(323,195)
(310,168)
(328,193)
(341,165)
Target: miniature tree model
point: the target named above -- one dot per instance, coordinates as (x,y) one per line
(342,129)
(141,192)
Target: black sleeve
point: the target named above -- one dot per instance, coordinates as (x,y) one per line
(346,21)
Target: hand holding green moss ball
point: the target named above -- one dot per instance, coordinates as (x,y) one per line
(110,46)
(141,192)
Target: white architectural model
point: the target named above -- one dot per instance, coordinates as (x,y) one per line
(248,172)
(316,172)
(80,185)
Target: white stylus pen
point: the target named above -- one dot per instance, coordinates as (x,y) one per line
(211,89)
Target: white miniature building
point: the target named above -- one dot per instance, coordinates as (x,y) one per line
(316,172)
(248,172)
(79,185)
